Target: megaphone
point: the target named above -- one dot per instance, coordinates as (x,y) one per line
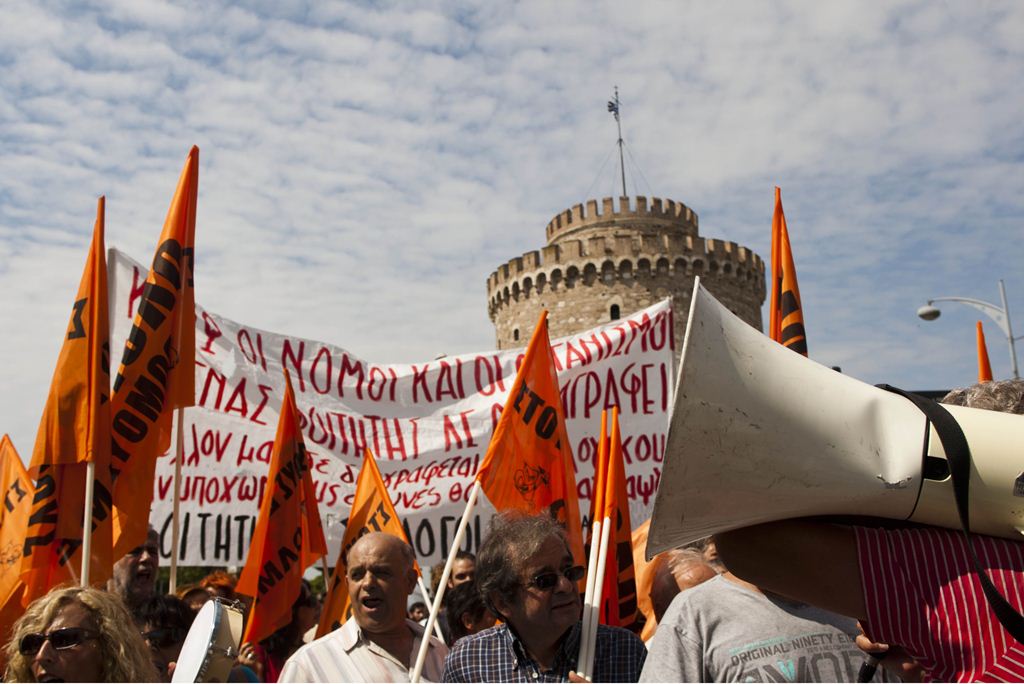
(759,433)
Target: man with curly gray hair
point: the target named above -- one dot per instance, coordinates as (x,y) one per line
(526,576)
(77,634)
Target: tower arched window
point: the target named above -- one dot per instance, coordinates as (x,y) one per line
(515,334)
(614,313)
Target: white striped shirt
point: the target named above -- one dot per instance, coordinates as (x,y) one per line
(347,655)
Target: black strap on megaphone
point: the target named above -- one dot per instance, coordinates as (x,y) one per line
(958,455)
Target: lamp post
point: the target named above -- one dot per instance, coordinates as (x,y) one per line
(1001,315)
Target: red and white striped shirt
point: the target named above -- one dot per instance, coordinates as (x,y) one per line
(922,593)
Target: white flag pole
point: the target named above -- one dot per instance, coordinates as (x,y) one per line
(426,596)
(588,595)
(90,484)
(589,606)
(460,533)
(595,614)
(179,451)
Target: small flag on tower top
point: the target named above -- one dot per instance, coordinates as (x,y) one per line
(613,104)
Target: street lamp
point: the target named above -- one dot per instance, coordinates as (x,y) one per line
(1001,315)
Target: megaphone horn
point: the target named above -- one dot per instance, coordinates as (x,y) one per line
(759,433)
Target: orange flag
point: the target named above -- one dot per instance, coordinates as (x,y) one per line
(619,600)
(785,314)
(529,464)
(312,525)
(157,372)
(281,550)
(645,572)
(74,431)
(372,511)
(597,490)
(14,513)
(984,367)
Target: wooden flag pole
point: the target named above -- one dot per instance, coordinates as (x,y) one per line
(179,451)
(426,596)
(460,533)
(90,484)
(326,574)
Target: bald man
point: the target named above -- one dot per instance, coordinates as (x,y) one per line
(678,570)
(378,643)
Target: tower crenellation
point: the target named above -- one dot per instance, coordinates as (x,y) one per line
(659,213)
(620,259)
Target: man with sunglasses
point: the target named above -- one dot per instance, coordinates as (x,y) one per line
(526,576)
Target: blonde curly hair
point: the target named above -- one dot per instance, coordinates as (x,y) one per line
(126,657)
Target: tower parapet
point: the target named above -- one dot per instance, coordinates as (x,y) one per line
(664,215)
(599,265)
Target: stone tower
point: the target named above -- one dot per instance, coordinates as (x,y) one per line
(599,266)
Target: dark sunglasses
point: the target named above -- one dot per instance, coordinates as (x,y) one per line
(546,581)
(162,638)
(60,639)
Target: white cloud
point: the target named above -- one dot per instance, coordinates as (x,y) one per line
(365,167)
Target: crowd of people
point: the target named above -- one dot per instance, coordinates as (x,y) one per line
(776,602)
(524,579)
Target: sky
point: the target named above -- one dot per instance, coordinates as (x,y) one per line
(365,166)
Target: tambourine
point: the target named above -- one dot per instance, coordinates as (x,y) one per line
(211,645)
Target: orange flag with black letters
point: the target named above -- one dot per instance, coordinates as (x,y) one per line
(74,432)
(157,373)
(785,313)
(529,465)
(16,488)
(619,599)
(281,547)
(984,367)
(598,486)
(372,511)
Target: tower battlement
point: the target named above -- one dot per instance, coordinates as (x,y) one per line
(598,265)
(561,265)
(667,213)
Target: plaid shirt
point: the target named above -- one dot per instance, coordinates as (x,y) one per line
(497,655)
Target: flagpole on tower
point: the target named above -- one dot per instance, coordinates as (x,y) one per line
(613,107)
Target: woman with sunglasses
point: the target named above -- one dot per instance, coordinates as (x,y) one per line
(77,634)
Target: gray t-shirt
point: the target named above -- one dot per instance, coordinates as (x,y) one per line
(720,631)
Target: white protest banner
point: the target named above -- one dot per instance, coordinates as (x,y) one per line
(428,423)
